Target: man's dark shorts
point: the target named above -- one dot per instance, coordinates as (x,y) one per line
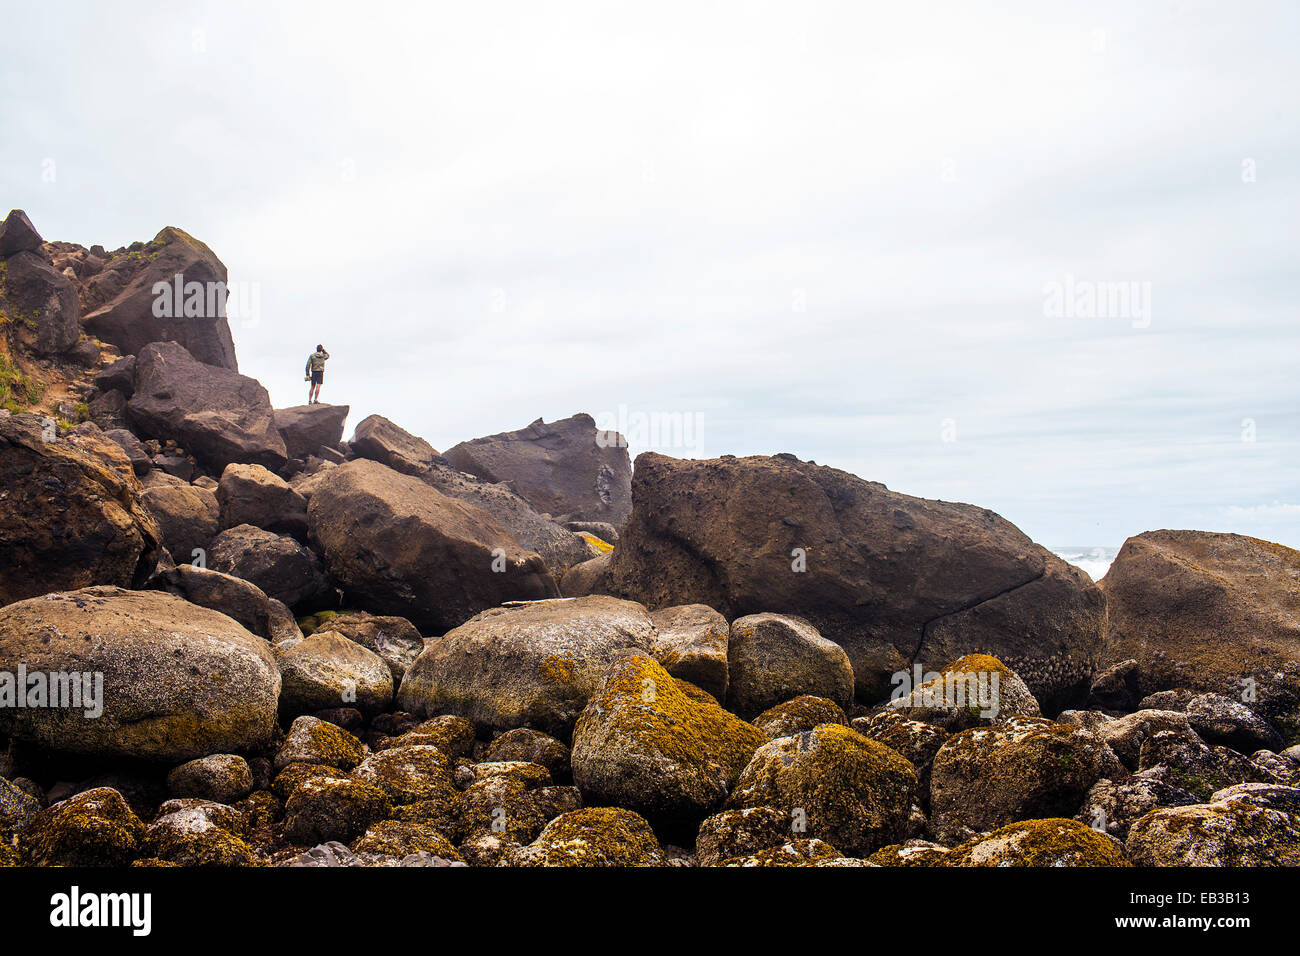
(318,377)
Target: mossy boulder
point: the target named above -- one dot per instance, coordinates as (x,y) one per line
(794,853)
(1251,825)
(533,746)
(190,836)
(772,658)
(453,735)
(94,828)
(316,741)
(592,836)
(1114,805)
(17,807)
(322,809)
(535,665)
(646,744)
(795,716)
(915,740)
(975,690)
(511,799)
(1045,842)
(409,774)
(328,670)
(1223,720)
(844,789)
(295,774)
(691,644)
(224,778)
(179,681)
(1192,765)
(400,839)
(1029,767)
(739,833)
(911,853)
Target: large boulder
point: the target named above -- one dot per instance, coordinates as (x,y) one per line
(249,494)
(306,429)
(327,670)
(216,414)
(178,681)
(17,234)
(70,513)
(772,658)
(381,440)
(400,547)
(1244,825)
(1218,613)
(649,744)
(234,597)
(394,639)
(568,469)
(41,301)
(691,643)
(893,579)
(123,304)
(854,793)
(536,665)
(592,836)
(277,564)
(987,777)
(187,515)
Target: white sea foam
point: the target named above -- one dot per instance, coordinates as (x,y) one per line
(1095,559)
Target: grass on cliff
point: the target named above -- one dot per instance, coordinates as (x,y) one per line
(18,392)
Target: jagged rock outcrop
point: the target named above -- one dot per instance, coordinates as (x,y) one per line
(402,547)
(893,579)
(38,299)
(381,440)
(124,308)
(1210,612)
(218,415)
(568,469)
(71,513)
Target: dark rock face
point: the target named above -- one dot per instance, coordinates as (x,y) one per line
(122,304)
(306,429)
(1211,612)
(218,415)
(568,469)
(188,516)
(118,377)
(404,548)
(70,513)
(277,564)
(559,547)
(380,440)
(17,234)
(891,578)
(41,299)
(249,494)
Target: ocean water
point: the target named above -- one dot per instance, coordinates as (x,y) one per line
(1093,559)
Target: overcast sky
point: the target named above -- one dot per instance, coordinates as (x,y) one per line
(828,229)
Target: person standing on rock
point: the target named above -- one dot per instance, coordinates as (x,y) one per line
(316,373)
